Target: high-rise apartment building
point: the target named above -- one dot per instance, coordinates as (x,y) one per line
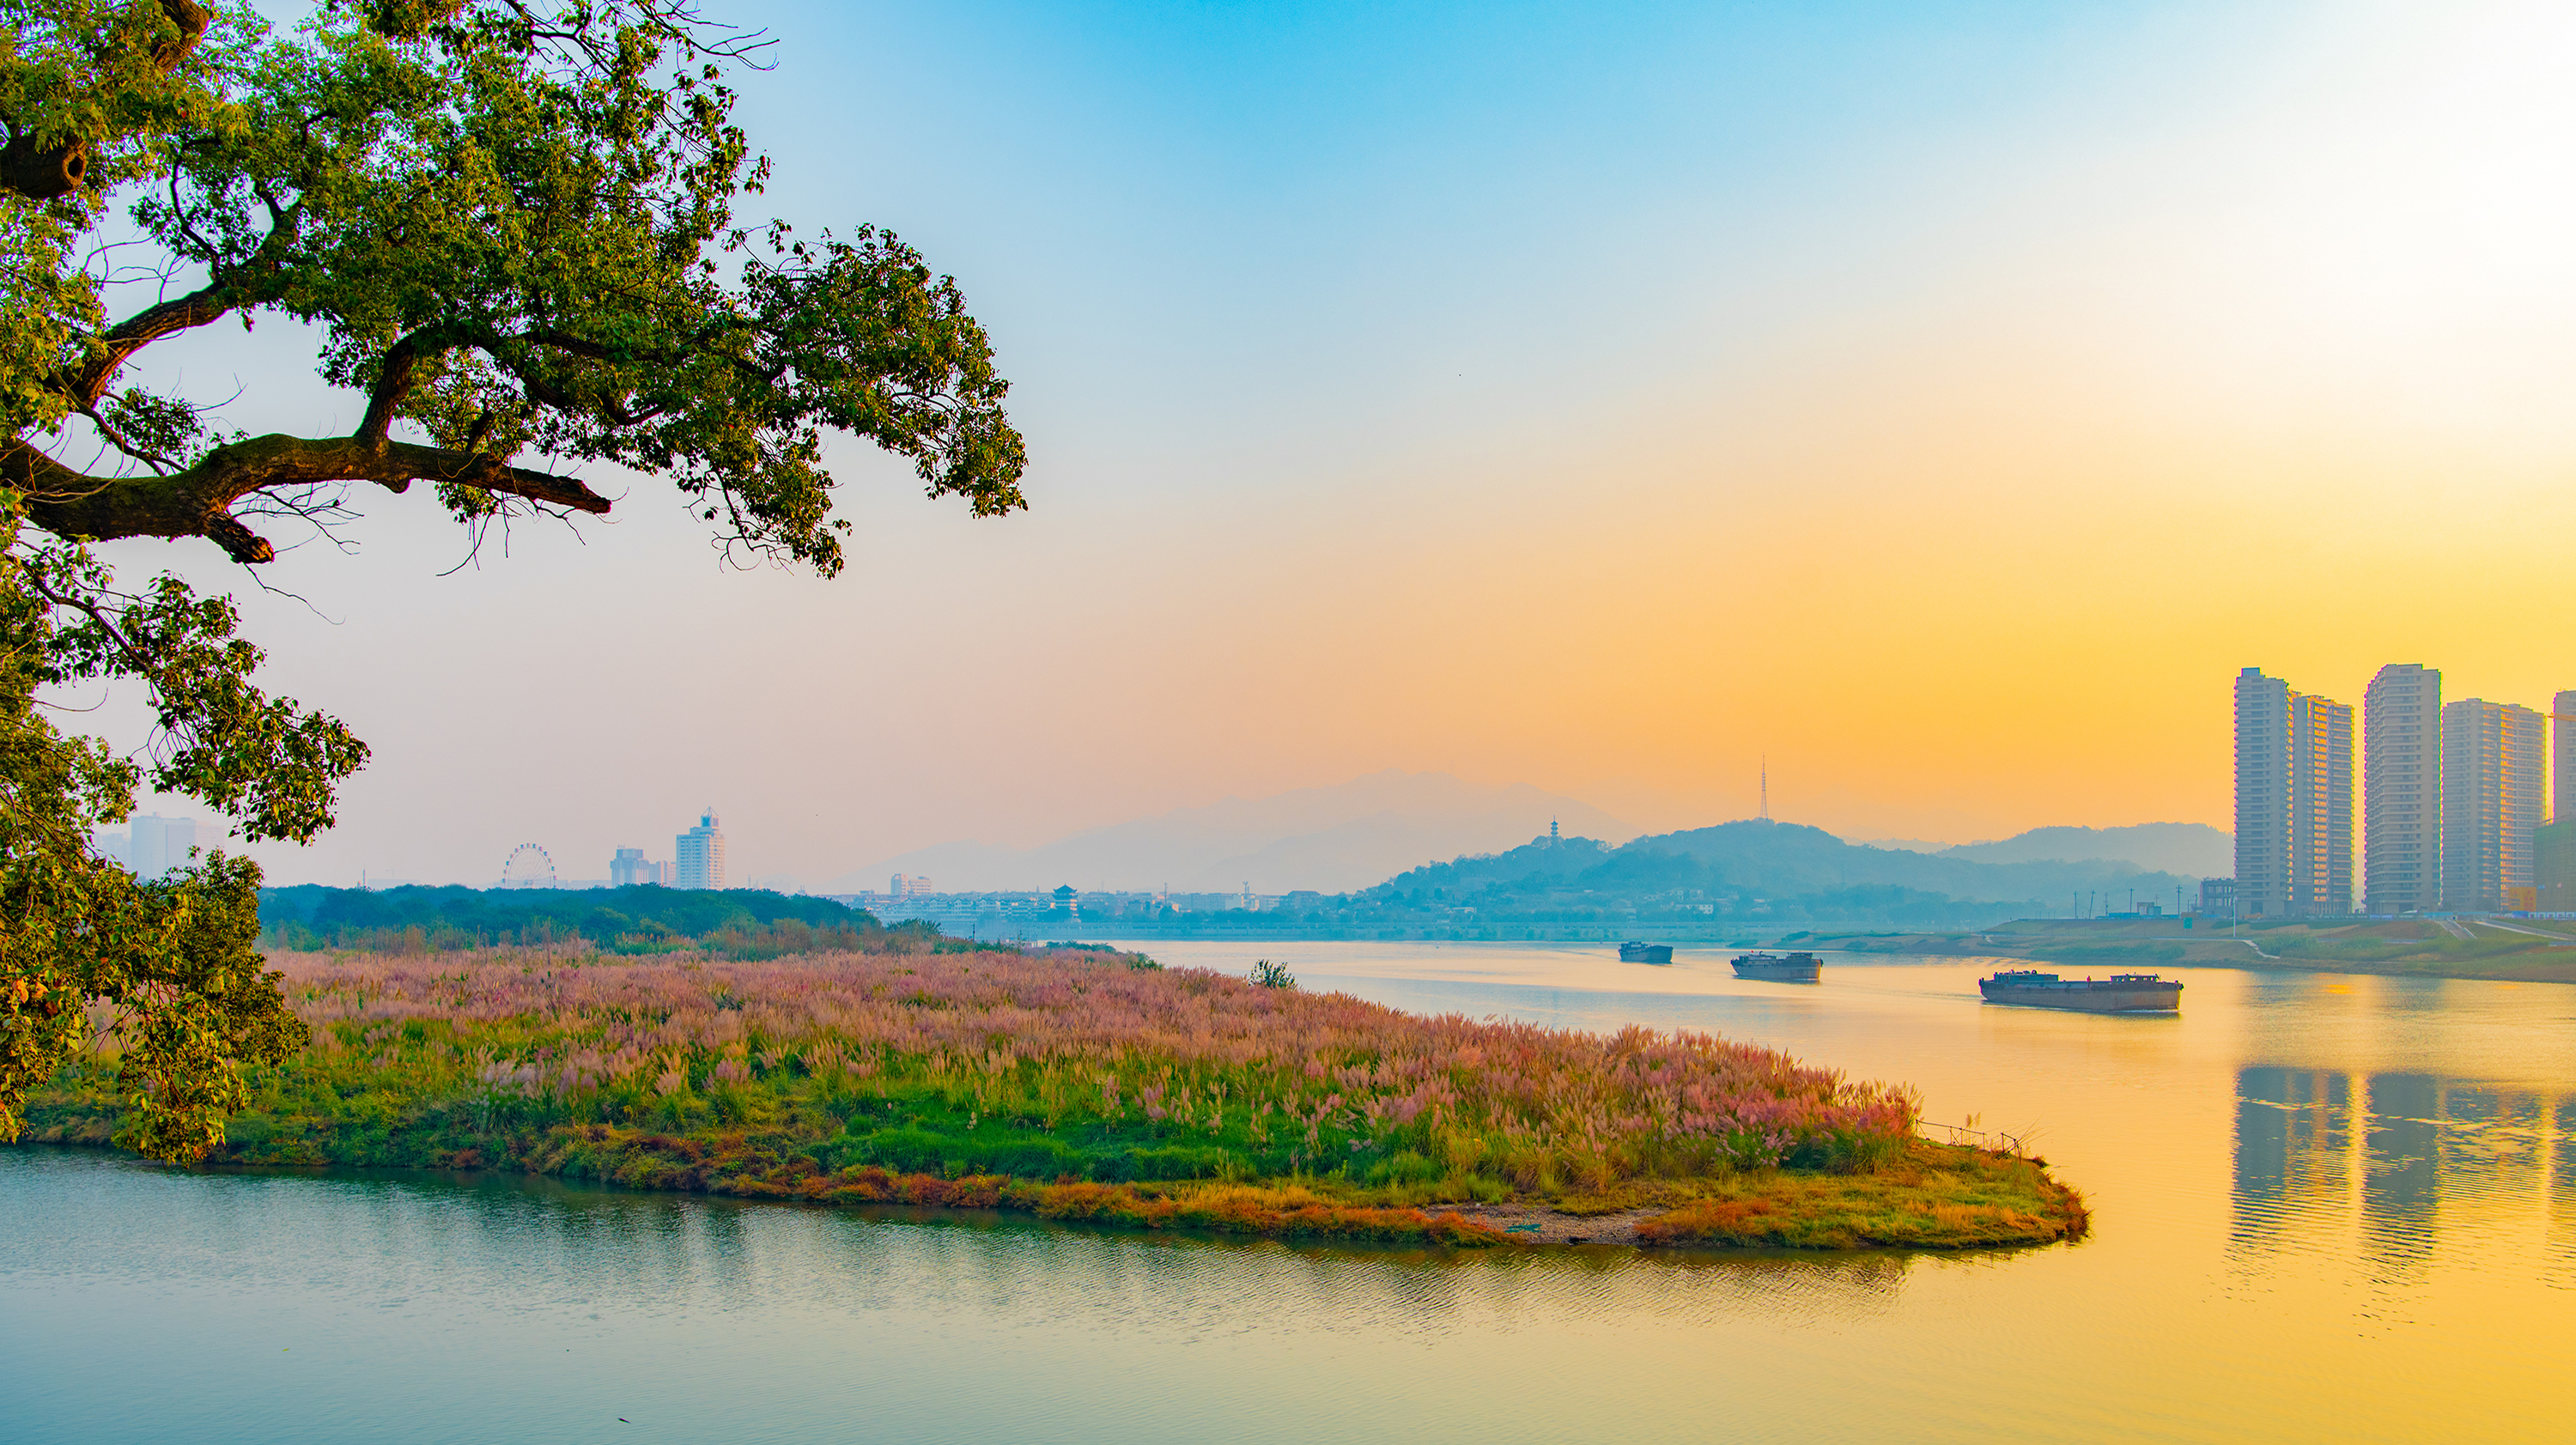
(2320,799)
(2553,845)
(2562,757)
(2401,790)
(702,854)
(2262,788)
(2293,801)
(2491,801)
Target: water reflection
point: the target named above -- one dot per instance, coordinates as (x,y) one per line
(2381,1252)
(568,1249)
(2405,1165)
(2562,1197)
(2293,1147)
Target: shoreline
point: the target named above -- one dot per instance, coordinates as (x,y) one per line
(2402,949)
(1797,1210)
(2391,949)
(1086,1085)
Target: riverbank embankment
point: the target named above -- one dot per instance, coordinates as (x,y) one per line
(2503,948)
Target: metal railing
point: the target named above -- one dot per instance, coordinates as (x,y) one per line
(1992,1139)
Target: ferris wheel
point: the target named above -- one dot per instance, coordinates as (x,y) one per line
(529,867)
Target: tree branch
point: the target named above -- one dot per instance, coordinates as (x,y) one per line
(197,502)
(86,382)
(393,381)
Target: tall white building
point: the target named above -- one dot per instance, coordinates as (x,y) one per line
(2320,883)
(2401,789)
(2262,794)
(702,854)
(2491,802)
(2562,757)
(2293,801)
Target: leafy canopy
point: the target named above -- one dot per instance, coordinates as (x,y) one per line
(512,228)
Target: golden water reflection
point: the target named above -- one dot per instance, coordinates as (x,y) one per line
(2390,1172)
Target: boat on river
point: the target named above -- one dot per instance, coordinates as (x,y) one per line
(2121,993)
(1780,967)
(1635,952)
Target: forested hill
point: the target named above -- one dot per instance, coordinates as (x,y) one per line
(1779,859)
(310,915)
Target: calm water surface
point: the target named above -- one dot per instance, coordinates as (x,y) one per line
(2327,1208)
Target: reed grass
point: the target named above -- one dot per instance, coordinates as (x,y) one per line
(1092,1085)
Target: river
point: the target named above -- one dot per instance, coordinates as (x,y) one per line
(2326,1208)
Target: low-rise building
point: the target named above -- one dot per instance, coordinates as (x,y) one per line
(630,868)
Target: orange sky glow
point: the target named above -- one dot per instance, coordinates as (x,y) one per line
(1952,453)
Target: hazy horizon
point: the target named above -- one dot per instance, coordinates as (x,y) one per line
(1334,839)
(1942,402)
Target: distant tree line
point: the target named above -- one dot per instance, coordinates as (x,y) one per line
(736,922)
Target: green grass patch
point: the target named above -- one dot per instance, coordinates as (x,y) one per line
(1938,1196)
(1166,1098)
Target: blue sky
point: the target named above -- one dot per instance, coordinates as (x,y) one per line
(1941,400)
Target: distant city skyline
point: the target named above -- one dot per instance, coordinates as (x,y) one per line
(2453,797)
(2189,852)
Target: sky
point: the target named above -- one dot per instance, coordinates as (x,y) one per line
(1938,401)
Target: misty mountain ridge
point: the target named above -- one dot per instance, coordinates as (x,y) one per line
(1791,859)
(2193,848)
(1359,834)
(1331,839)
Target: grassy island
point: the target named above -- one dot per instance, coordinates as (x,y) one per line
(1088,1085)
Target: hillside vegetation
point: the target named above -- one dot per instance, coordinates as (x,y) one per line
(1746,872)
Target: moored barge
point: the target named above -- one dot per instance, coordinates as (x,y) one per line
(1780,967)
(2121,993)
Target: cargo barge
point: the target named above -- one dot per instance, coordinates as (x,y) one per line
(1780,967)
(1634,952)
(2121,993)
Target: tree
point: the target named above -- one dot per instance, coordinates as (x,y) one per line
(510,225)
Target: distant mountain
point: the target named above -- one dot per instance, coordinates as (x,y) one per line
(2196,849)
(1792,860)
(1903,845)
(1798,859)
(1331,839)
